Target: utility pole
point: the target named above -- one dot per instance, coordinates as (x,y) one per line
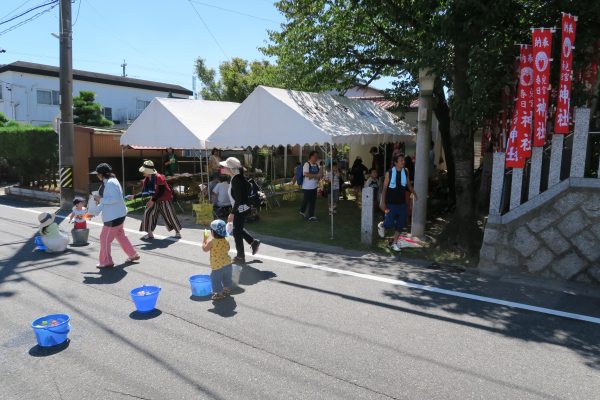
(66,132)
(123,66)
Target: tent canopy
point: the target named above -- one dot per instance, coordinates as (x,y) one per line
(177,123)
(274,117)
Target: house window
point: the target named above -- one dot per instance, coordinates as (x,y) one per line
(48,97)
(107,111)
(141,105)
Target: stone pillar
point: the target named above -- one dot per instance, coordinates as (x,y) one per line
(367,216)
(421,183)
(580,141)
(497,183)
(515,188)
(535,173)
(555,160)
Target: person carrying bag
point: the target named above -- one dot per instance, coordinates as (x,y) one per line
(238,193)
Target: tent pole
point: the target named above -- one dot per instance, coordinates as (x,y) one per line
(123,165)
(285,162)
(331,183)
(201,170)
(207,177)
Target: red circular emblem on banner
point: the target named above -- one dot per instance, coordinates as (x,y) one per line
(527,76)
(567,47)
(541,61)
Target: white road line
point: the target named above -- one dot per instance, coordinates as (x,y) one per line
(397,282)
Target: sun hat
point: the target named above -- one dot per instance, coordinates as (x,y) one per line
(103,169)
(147,167)
(219,227)
(231,163)
(46,219)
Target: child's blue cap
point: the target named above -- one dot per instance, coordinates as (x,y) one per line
(219,227)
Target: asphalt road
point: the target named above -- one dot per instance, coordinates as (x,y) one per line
(290,332)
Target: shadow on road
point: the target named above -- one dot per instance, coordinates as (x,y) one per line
(251,276)
(200,299)
(156,244)
(140,316)
(225,307)
(39,351)
(581,337)
(105,276)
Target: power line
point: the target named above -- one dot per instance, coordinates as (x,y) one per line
(111,63)
(29,19)
(55,2)
(235,12)
(122,37)
(208,29)
(4,16)
(77,17)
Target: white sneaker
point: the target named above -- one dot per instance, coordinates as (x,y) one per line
(381,230)
(395,247)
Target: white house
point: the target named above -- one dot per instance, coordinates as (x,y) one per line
(30,93)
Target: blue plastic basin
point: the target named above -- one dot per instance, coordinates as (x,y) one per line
(39,245)
(145,297)
(52,329)
(201,285)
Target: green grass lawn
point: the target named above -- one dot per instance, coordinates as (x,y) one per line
(285,222)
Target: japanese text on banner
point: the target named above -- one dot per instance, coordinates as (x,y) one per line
(518,145)
(569,23)
(542,45)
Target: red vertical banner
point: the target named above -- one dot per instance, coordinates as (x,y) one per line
(569,23)
(518,145)
(542,45)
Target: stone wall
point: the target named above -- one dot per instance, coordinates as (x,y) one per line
(555,235)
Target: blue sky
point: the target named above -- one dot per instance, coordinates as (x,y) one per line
(159,39)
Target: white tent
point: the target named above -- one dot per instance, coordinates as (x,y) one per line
(279,117)
(274,117)
(177,123)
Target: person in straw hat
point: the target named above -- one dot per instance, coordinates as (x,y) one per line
(238,194)
(112,206)
(156,187)
(52,237)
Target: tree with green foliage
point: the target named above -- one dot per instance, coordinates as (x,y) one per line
(87,112)
(469,44)
(238,78)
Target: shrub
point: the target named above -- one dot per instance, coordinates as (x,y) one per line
(30,153)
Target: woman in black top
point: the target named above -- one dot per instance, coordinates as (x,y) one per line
(238,194)
(358,172)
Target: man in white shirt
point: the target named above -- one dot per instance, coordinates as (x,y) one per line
(220,198)
(221,193)
(311,176)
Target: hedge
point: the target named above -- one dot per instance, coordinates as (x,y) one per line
(28,154)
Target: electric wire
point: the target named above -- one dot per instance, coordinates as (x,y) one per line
(55,2)
(208,29)
(235,12)
(35,16)
(21,6)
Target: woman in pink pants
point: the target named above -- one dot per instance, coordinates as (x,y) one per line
(111,204)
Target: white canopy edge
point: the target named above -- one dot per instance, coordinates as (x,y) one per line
(177,123)
(279,117)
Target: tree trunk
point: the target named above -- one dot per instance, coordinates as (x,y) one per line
(462,232)
(442,113)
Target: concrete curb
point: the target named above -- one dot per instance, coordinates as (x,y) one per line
(32,194)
